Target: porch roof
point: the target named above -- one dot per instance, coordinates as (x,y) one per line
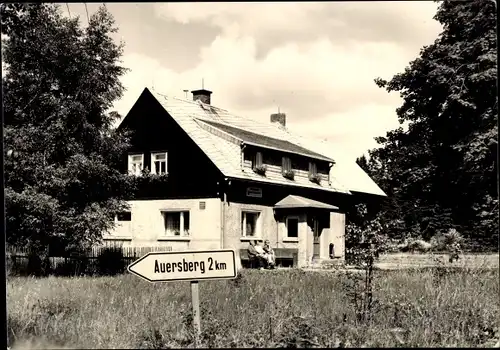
(293,201)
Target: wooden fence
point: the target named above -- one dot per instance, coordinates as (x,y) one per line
(99,260)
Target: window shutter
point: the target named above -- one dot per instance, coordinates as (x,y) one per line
(258,159)
(312,168)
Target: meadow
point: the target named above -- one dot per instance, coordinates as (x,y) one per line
(435,307)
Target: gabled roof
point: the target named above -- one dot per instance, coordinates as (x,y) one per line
(225,153)
(293,201)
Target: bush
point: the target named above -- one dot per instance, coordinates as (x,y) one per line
(38,264)
(110,261)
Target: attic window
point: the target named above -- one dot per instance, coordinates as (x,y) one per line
(159,163)
(135,163)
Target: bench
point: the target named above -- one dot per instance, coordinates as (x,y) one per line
(285,257)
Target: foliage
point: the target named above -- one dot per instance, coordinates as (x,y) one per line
(260,169)
(61,150)
(316,178)
(365,240)
(440,169)
(289,174)
(149,185)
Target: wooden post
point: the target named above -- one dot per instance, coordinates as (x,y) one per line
(195,296)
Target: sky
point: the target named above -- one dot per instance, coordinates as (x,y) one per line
(314,61)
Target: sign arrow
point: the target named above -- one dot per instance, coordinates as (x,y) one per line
(185,266)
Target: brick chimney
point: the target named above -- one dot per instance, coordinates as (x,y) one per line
(202,95)
(279,118)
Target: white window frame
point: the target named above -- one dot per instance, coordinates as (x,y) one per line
(153,160)
(313,169)
(286,164)
(258,224)
(182,230)
(131,163)
(298,221)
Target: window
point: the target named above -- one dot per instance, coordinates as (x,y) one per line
(176,223)
(124,216)
(313,170)
(286,164)
(135,163)
(257,160)
(292,227)
(159,163)
(250,224)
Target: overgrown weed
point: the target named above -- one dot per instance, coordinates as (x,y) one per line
(425,307)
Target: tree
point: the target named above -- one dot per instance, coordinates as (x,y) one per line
(442,170)
(62,154)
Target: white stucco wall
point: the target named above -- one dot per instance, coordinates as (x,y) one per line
(146,227)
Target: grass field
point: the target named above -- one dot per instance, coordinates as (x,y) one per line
(434,307)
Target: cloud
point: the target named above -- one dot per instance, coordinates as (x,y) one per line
(343,22)
(316,61)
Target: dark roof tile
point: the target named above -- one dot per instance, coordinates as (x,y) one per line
(267,142)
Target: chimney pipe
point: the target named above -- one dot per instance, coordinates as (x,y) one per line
(202,95)
(279,118)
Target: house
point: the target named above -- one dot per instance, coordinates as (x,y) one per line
(223,180)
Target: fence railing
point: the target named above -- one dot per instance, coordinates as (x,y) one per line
(99,260)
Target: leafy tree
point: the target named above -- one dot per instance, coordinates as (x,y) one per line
(62,153)
(442,171)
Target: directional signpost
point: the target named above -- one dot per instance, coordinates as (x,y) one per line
(186,266)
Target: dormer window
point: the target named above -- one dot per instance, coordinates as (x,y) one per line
(135,163)
(159,163)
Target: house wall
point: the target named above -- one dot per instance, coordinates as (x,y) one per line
(273,223)
(271,227)
(147,229)
(233,232)
(191,174)
(337,234)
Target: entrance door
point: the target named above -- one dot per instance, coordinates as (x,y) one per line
(316,243)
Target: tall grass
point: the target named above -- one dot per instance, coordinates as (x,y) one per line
(435,307)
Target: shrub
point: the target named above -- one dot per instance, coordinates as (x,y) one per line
(110,261)
(38,264)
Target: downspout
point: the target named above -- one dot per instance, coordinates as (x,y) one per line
(277,228)
(223,214)
(242,145)
(223,218)
(330,165)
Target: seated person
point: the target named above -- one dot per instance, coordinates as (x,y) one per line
(271,257)
(256,252)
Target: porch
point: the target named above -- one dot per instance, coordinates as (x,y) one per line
(316,227)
